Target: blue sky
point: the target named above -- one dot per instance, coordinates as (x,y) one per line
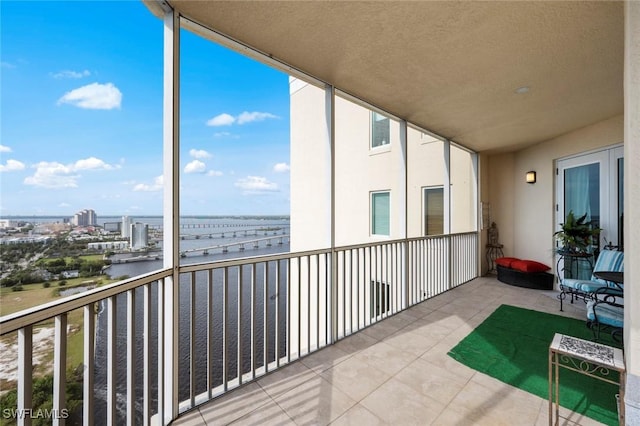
(81,116)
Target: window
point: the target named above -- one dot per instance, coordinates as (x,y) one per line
(379,130)
(379,302)
(433,211)
(380,213)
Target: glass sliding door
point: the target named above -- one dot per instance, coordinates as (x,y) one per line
(590,185)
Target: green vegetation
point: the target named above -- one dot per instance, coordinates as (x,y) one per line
(43,398)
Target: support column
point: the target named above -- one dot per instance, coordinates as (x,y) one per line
(330,97)
(632,210)
(171,214)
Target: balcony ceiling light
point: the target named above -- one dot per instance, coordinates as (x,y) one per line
(522,90)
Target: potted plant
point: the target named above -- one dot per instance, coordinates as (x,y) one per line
(576,235)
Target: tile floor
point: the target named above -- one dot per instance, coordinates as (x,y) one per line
(396,372)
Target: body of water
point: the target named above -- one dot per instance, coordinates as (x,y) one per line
(276,294)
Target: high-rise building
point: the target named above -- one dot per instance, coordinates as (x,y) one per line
(126,226)
(86,217)
(139,238)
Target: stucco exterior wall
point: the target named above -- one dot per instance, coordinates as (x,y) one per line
(525,213)
(311,168)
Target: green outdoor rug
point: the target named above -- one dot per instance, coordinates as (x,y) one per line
(512,345)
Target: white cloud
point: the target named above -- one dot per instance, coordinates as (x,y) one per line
(256,185)
(199,153)
(221,120)
(94,96)
(7,65)
(91,163)
(249,117)
(281,168)
(196,166)
(52,175)
(225,119)
(214,173)
(64,205)
(157,185)
(57,175)
(4,148)
(221,134)
(12,166)
(71,74)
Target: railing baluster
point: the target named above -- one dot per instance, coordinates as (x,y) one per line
(192,340)
(209,333)
(265,327)
(225,329)
(277,314)
(161,286)
(25,373)
(318,301)
(288,336)
(299,305)
(146,356)
(308,304)
(111,360)
(253,320)
(131,357)
(60,368)
(239,331)
(89,364)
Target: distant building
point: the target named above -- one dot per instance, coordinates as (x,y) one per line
(6,223)
(139,238)
(74,273)
(86,217)
(112,226)
(109,245)
(126,226)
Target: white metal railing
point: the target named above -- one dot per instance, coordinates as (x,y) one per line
(238,320)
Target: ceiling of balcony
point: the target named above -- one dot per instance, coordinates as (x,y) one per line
(450,67)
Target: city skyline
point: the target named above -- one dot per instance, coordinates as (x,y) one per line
(82,117)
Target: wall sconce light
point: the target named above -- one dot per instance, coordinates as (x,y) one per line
(531,177)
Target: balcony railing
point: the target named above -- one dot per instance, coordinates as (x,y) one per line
(238,320)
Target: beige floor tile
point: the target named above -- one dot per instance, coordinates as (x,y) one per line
(355,378)
(285,379)
(398,404)
(234,405)
(270,414)
(385,327)
(432,381)
(499,401)
(192,418)
(315,402)
(355,343)
(407,341)
(325,358)
(385,358)
(438,356)
(358,416)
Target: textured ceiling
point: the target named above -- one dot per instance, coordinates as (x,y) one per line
(450,67)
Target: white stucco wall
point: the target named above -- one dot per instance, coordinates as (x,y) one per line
(525,213)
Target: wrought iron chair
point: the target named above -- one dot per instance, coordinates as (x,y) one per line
(606,311)
(608,260)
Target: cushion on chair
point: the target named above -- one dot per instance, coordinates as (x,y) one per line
(606,314)
(585,286)
(506,261)
(608,260)
(529,266)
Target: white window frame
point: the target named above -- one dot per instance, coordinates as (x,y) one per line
(372,119)
(371,213)
(424,212)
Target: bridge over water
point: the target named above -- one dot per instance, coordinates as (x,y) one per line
(241,245)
